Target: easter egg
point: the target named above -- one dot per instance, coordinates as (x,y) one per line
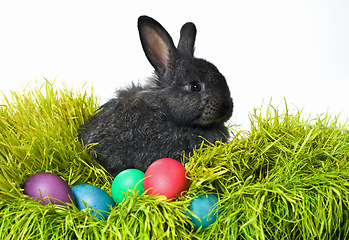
(89,196)
(167,177)
(205,207)
(127,180)
(43,184)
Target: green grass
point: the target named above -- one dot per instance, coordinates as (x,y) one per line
(286,178)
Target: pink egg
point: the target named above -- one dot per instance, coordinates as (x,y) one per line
(44,184)
(167,177)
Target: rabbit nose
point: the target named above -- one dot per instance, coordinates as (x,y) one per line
(227,108)
(218,110)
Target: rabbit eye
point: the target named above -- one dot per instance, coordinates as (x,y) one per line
(195,87)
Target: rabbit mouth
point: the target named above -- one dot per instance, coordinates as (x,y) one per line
(214,114)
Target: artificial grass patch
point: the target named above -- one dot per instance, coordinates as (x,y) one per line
(287,178)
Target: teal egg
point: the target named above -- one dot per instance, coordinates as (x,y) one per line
(205,207)
(93,197)
(129,179)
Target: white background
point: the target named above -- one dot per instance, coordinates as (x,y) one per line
(298,50)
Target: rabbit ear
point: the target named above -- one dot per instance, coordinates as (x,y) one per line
(157,43)
(187,40)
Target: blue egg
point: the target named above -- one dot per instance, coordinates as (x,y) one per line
(205,207)
(95,198)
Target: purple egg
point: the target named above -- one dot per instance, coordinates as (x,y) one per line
(44,184)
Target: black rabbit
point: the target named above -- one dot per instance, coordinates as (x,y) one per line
(187,101)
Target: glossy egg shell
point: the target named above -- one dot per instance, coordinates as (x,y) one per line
(95,198)
(129,179)
(206,208)
(167,177)
(45,184)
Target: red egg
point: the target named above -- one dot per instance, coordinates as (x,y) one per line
(167,177)
(43,184)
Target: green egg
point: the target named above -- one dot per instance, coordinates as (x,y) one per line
(129,179)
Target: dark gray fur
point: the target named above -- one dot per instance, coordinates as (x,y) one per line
(188,100)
